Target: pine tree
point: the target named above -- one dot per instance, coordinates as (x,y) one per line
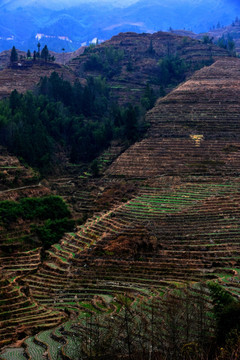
(63,55)
(28,54)
(14,55)
(151,50)
(38,46)
(45,53)
(131,123)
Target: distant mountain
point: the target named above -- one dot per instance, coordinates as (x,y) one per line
(63,4)
(195,15)
(218,35)
(68,25)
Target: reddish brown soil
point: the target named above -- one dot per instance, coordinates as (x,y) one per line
(194,130)
(128,86)
(25,76)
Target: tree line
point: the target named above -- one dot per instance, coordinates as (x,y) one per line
(44,54)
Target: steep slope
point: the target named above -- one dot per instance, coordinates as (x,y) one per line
(20,315)
(194,130)
(13,174)
(130,61)
(172,230)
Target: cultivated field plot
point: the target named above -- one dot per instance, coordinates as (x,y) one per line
(194,129)
(178,228)
(164,238)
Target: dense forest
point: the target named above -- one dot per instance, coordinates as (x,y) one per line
(59,116)
(75,119)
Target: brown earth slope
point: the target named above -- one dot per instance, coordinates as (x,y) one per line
(138,65)
(13,174)
(163,232)
(194,130)
(24,75)
(5,57)
(127,77)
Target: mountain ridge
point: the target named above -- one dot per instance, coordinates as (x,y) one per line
(95,20)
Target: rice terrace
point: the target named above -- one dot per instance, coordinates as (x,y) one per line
(152,271)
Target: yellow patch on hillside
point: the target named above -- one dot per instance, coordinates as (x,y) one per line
(197,139)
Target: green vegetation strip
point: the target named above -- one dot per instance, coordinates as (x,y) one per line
(35,351)
(13,354)
(53,346)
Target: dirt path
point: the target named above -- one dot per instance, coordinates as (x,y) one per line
(21,188)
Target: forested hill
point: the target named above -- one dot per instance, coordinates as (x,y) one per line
(75,121)
(129,61)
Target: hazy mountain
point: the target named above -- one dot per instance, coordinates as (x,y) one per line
(62,24)
(63,4)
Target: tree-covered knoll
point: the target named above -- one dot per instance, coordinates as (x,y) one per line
(227,43)
(108,61)
(172,70)
(81,120)
(49,207)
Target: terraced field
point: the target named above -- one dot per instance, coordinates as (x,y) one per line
(22,262)
(194,130)
(25,76)
(162,238)
(20,314)
(137,66)
(13,174)
(175,227)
